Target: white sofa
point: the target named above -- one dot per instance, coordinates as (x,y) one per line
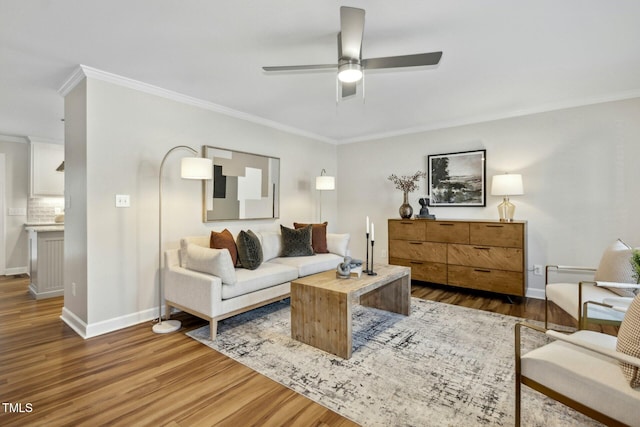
(236,290)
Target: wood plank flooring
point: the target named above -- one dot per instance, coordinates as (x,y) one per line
(135,377)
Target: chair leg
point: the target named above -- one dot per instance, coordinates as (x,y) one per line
(546,311)
(213,329)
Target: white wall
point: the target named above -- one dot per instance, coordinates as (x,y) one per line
(16,196)
(118,148)
(579,166)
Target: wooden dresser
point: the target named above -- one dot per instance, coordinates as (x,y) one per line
(485,255)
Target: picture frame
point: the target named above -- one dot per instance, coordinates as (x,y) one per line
(457,179)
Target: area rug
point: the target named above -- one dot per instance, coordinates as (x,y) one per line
(443,365)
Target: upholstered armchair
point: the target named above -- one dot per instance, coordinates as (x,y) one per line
(613,284)
(594,373)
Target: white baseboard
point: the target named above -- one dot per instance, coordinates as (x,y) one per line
(14,271)
(103,327)
(535,293)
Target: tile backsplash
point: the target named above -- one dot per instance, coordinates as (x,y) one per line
(44,210)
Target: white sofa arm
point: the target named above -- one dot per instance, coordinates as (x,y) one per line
(622,357)
(196,291)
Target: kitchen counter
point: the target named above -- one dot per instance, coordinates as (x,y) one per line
(46,259)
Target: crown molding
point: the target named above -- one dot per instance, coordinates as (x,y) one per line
(83,71)
(11,138)
(44,140)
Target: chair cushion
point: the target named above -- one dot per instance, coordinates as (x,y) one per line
(224,240)
(296,242)
(216,262)
(249,250)
(306,265)
(338,243)
(565,296)
(629,341)
(587,377)
(318,236)
(271,244)
(265,276)
(615,266)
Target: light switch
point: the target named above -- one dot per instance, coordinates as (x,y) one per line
(122,201)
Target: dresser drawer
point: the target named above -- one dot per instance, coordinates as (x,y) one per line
(433,272)
(407,229)
(419,251)
(495,234)
(504,282)
(448,232)
(486,257)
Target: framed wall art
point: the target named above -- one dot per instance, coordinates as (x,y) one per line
(244,186)
(457,179)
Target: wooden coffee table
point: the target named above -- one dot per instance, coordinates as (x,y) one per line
(321,304)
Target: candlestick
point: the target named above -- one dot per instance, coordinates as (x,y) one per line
(373,232)
(371,272)
(367,225)
(366,266)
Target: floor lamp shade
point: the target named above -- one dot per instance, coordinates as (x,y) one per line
(190,168)
(506,185)
(325,183)
(196,168)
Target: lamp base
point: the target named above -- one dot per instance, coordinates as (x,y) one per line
(167,326)
(506,209)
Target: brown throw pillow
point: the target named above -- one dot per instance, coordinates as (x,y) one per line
(318,236)
(629,341)
(224,240)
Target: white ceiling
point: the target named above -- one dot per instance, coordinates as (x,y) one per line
(501,58)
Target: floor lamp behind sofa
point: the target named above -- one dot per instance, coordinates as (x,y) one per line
(190,168)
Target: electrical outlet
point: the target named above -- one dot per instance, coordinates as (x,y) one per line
(122,201)
(537,270)
(383,253)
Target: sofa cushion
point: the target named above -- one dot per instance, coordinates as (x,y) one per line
(629,341)
(271,244)
(224,240)
(306,265)
(296,242)
(265,276)
(615,266)
(249,250)
(318,236)
(216,262)
(338,243)
(196,240)
(587,377)
(565,296)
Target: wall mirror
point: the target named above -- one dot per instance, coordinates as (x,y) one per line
(244,186)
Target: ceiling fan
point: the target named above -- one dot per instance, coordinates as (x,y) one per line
(350,64)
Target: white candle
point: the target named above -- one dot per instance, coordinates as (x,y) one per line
(367,224)
(373,232)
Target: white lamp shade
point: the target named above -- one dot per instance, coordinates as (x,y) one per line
(196,168)
(325,182)
(507,185)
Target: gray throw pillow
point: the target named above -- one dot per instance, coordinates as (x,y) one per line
(296,242)
(249,250)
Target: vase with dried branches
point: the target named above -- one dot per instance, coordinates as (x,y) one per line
(408,184)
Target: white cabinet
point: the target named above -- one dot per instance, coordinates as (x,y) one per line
(44,159)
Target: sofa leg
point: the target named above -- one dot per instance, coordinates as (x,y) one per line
(213,329)
(167,312)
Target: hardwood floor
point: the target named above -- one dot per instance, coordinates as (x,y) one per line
(50,376)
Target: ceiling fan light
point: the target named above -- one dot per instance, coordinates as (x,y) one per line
(350,72)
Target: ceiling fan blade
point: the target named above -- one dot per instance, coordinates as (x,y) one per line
(417,60)
(348,89)
(300,67)
(351,30)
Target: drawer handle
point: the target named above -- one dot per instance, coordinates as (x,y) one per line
(416,262)
(495,226)
(482,271)
(415,243)
(446,225)
(406,223)
(481,248)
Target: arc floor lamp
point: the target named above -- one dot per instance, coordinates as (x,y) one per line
(190,168)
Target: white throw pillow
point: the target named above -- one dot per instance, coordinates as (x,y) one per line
(338,243)
(615,266)
(271,244)
(216,262)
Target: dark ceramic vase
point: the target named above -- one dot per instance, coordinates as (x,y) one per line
(406,211)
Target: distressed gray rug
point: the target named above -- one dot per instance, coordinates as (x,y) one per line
(442,366)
